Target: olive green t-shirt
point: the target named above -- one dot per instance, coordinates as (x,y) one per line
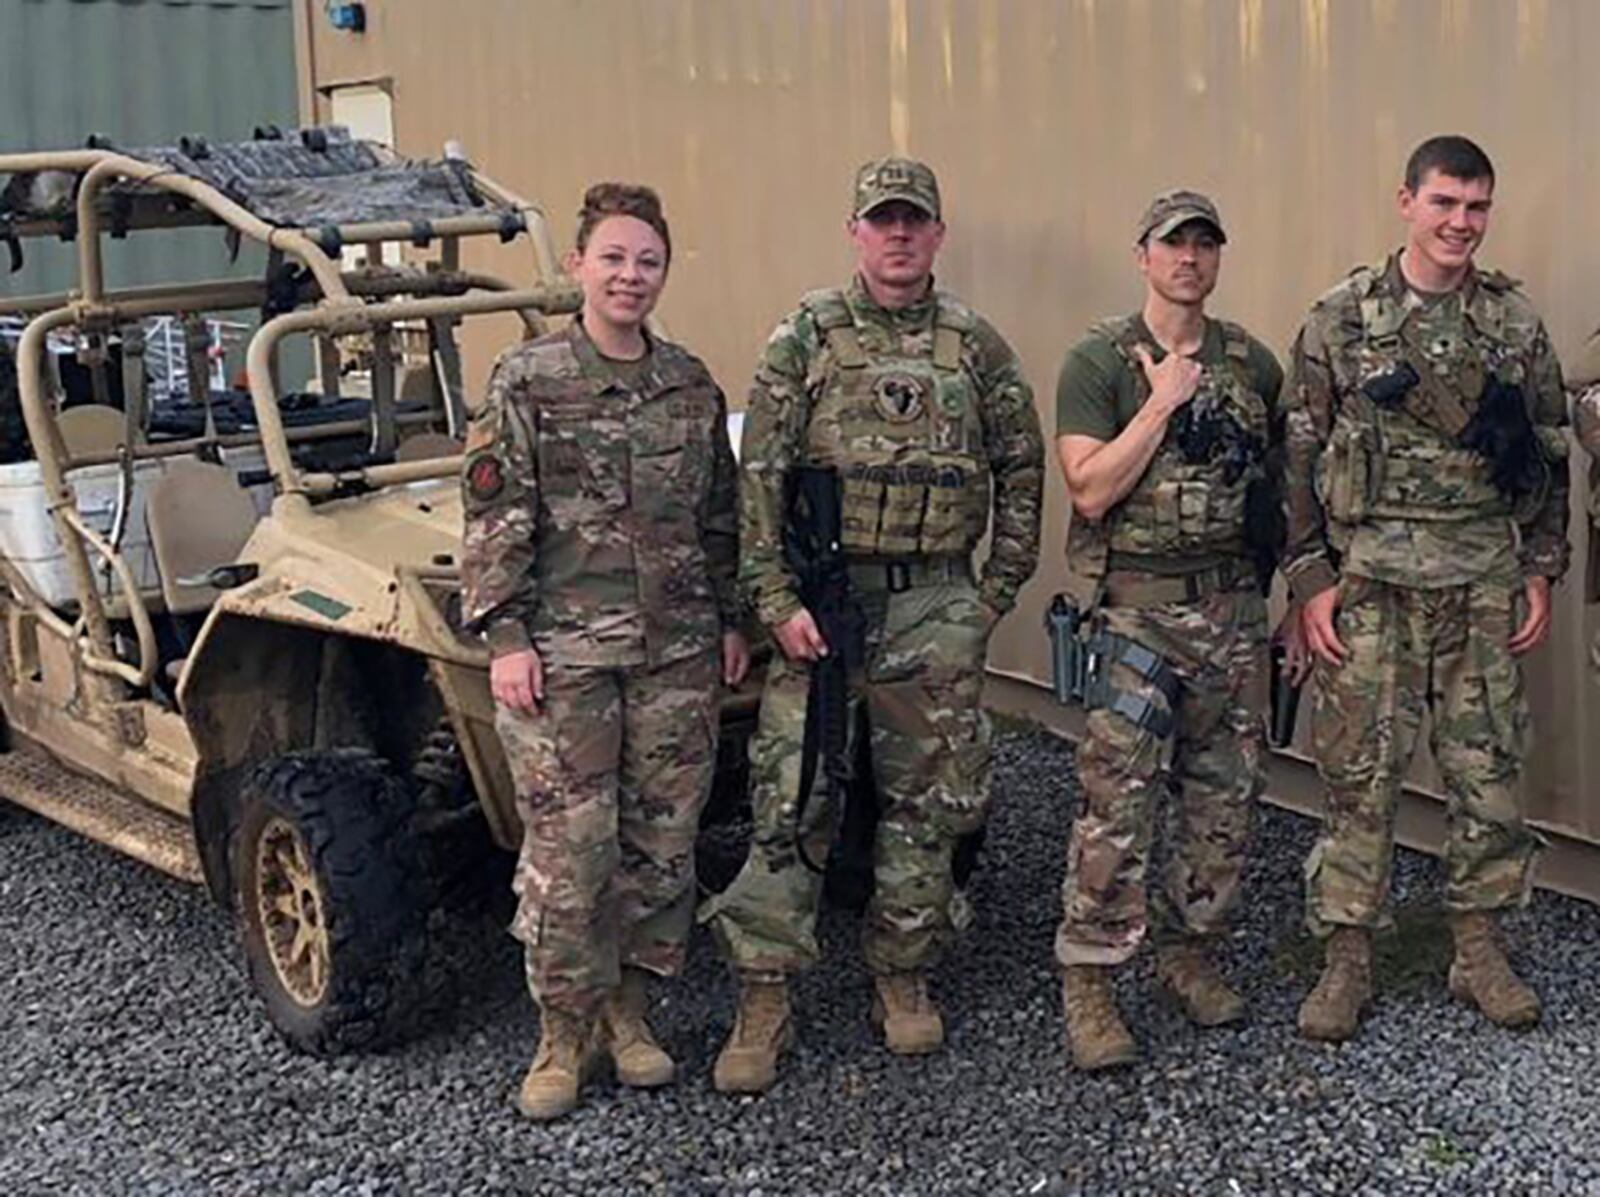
(1097,393)
(628,373)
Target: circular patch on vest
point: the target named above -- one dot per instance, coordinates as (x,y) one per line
(486,478)
(900,397)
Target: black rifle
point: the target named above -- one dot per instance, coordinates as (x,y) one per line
(812,531)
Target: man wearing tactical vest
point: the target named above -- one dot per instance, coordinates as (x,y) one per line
(1169,436)
(1426,500)
(922,410)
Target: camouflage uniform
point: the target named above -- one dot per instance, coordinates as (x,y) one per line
(1431,556)
(1583,382)
(1168,569)
(600,529)
(925,413)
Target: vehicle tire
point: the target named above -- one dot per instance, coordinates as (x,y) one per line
(329,895)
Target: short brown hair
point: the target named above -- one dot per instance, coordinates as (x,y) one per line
(621,199)
(1453,156)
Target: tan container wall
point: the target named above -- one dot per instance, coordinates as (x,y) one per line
(1050,125)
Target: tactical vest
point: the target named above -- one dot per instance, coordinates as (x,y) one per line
(903,430)
(1406,462)
(1179,511)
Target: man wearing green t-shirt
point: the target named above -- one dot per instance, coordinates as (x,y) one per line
(1170,440)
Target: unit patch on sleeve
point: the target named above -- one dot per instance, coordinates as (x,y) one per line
(486,477)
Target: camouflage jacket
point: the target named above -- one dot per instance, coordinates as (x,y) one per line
(1385,492)
(601,521)
(794,369)
(1584,382)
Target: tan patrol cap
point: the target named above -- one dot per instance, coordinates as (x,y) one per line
(885,179)
(1173,209)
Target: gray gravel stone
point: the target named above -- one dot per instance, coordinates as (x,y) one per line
(136,1058)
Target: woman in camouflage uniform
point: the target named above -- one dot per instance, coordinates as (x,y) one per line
(601,544)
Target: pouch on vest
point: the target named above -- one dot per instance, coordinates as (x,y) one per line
(953,521)
(1349,472)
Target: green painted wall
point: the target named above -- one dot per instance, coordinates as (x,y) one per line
(141,72)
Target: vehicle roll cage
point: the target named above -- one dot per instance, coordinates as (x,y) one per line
(119,193)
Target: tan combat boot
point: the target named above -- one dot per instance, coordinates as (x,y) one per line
(1481,975)
(626,1035)
(907,1015)
(762,1030)
(559,1068)
(1332,1010)
(1095,1031)
(1186,971)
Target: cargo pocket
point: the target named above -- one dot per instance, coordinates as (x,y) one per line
(1346,477)
(1504,699)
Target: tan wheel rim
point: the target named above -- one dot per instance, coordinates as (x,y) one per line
(293,912)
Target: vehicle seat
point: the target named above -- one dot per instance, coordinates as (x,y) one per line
(199,517)
(91,428)
(426,445)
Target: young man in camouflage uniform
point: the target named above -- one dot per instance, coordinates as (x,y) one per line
(1170,439)
(1427,508)
(922,409)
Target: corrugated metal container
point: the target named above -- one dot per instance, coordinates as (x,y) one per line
(141,72)
(1051,123)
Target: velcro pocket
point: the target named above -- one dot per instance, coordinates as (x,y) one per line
(900,530)
(955,514)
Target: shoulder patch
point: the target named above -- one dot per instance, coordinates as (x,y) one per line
(486,477)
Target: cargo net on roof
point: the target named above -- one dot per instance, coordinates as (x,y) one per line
(300,179)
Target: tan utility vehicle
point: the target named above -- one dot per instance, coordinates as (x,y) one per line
(231,641)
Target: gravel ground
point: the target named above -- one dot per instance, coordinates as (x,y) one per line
(135,1057)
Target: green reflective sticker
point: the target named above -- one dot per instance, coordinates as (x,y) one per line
(328,608)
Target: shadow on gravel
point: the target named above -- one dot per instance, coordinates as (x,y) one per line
(1413,956)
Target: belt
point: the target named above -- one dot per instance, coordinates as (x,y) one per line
(1136,588)
(897,574)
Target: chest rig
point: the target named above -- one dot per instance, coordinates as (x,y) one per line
(1181,510)
(896,413)
(1401,457)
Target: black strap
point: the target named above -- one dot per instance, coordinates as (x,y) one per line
(1106,648)
(826,713)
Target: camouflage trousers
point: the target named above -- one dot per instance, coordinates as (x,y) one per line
(1209,772)
(610,776)
(1443,652)
(930,747)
